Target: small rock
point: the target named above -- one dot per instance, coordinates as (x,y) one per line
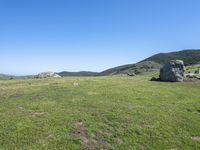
(191,75)
(196,138)
(197,71)
(131,74)
(75,84)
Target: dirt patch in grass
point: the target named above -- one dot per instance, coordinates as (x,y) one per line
(119,141)
(146,126)
(11,94)
(20,107)
(39,114)
(105,132)
(18,95)
(196,138)
(50,136)
(39,96)
(80,132)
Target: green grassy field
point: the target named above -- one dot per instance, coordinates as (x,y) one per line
(119,113)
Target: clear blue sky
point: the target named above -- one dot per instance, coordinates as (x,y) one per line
(74,35)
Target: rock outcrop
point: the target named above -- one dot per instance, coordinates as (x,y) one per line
(172,71)
(197,71)
(47,75)
(192,76)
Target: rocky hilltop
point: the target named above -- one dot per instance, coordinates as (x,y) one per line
(47,75)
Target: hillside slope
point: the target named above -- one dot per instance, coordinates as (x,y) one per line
(10,77)
(5,77)
(153,63)
(190,57)
(81,73)
(137,68)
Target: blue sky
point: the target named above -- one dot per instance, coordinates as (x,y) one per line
(75,35)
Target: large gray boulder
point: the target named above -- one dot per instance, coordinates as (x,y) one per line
(173,71)
(47,75)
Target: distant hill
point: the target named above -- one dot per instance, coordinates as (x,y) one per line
(190,57)
(11,77)
(129,69)
(153,63)
(138,68)
(5,77)
(81,73)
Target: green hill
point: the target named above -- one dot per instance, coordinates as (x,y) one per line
(138,68)
(5,77)
(81,73)
(10,77)
(190,57)
(153,63)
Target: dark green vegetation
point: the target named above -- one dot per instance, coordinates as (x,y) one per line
(5,77)
(190,57)
(138,68)
(153,63)
(99,113)
(81,73)
(130,69)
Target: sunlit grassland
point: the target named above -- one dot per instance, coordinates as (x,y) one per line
(99,113)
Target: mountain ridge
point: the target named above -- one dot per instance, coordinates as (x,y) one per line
(152,63)
(80,73)
(189,56)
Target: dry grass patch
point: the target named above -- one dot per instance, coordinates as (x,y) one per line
(146,126)
(196,138)
(80,132)
(39,114)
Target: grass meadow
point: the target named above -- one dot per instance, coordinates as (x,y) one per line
(119,113)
